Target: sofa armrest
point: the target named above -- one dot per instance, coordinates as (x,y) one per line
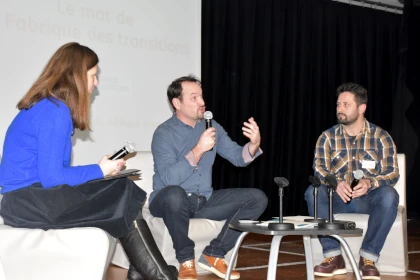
(38,254)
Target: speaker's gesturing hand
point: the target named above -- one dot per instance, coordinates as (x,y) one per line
(252,131)
(110,167)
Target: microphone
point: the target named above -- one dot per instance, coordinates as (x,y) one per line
(316,182)
(207,117)
(128,148)
(281,182)
(358,174)
(331,183)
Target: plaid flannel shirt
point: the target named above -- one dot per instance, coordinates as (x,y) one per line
(336,154)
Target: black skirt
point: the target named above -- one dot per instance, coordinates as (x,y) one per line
(111,205)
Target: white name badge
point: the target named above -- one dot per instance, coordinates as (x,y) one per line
(368,164)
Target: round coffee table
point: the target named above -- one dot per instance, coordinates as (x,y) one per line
(275,245)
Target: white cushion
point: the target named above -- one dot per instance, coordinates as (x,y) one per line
(77,253)
(142,160)
(400,186)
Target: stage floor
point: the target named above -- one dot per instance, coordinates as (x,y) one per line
(254,254)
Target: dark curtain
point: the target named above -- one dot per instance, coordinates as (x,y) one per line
(280,62)
(406,126)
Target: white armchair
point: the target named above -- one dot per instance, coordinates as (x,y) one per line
(201,231)
(394,255)
(77,253)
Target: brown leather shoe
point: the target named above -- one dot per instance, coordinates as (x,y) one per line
(331,266)
(187,271)
(216,265)
(368,269)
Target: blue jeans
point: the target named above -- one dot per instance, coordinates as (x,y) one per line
(177,208)
(380,204)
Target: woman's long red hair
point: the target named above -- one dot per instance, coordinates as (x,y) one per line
(65,78)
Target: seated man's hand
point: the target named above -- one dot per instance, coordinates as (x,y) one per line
(252,131)
(207,140)
(361,188)
(344,191)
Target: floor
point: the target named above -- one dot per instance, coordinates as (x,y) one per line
(254,253)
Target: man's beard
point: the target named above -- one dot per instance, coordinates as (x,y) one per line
(345,120)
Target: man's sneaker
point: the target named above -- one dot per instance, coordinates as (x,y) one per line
(368,269)
(216,265)
(331,266)
(187,271)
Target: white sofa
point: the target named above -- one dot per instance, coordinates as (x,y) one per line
(394,255)
(202,231)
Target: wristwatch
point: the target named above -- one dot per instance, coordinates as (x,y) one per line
(372,182)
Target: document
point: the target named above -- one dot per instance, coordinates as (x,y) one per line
(121,174)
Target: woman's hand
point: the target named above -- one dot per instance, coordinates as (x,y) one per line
(110,167)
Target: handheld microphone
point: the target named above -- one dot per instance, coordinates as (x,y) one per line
(128,148)
(208,116)
(358,174)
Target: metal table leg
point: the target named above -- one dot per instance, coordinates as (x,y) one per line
(234,254)
(349,255)
(274,254)
(308,257)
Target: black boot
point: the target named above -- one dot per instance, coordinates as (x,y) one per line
(134,275)
(143,253)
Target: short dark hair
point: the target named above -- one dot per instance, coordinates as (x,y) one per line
(360,93)
(175,88)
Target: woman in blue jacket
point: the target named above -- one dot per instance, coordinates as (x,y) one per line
(41,190)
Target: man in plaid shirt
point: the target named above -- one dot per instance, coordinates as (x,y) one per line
(356,144)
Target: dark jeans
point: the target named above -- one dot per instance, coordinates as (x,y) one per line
(177,208)
(380,204)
